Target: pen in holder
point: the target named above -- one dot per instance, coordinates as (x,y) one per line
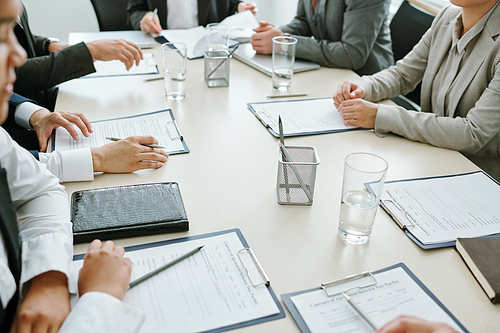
(296,175)
(217,68)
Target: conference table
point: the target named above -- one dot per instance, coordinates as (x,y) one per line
(228,180)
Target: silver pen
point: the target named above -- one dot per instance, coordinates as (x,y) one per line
(154,79)
(360,312)
(287,95)
(155,12)
(150,145)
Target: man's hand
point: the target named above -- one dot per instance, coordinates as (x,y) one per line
(262,39)
(44,122)
(105,270)
(407,324)
(347,90)
(46,305)
(251,6)
(115,49)
(150,23)
(128,155)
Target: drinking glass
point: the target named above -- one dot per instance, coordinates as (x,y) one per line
(174,69)
(283,60)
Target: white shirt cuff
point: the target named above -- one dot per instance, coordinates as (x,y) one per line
(23,113)
(70,165)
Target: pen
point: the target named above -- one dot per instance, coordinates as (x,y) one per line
(155,12)
(360,312)
(154,79)
(223,61)
(164,267)
(151,145)
(288,95)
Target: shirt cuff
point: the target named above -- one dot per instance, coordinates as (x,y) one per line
(23,113)
(70,165)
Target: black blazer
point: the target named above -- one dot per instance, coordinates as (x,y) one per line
(209,11)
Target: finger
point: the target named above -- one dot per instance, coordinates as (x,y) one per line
(136,51)
(126,58)
(108,246)
(357,93)
(87,123)
(145,140)
(42,144)
(120,250)
(76,119)
(149,165)
(95,245)
(346,90)
(71,129)
(153,157)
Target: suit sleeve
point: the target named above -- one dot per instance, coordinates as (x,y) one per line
(299,25)
(44,72)
(136,9)
(357,40)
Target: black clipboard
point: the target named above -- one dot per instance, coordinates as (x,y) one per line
(404,227)
(177,134)
(303,326)
(279,315)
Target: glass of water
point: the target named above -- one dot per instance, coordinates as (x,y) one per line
(283,60)
(217,36)
(174,69)
(364,177)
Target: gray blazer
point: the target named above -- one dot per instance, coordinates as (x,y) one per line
(473,122)
(351,34)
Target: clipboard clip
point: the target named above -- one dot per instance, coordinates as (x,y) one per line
(409,218)
(372,282)
(177,129)
(151,61)
(261,115)
(263,275)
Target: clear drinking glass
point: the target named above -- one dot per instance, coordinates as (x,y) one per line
(364,177)
(217,36)
(283,60)
(174,69)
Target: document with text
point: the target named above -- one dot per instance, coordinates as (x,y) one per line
(117,68)
(395,293)
(438,210)
(206,291)
(313,116)
(159,124)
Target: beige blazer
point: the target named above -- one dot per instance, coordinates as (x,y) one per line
(473,122)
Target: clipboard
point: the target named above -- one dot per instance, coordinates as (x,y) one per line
(151,67)
(390,208)
(265,280)
(270,121)
(305,329)
(172,129)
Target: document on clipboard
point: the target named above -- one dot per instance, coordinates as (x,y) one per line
(435,211)
(222,287)
(377,297)
(160,124)
(302,117)
(146,66)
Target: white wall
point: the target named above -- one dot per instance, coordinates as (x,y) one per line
(57,18)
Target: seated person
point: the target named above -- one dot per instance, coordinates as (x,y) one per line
(51,63)
(34,217)
(123,156)
(408,324)
(458,62)
(347,34)
(181,14)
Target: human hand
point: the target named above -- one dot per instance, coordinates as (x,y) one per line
(57,46)
(347,90)
(44,122)
(150,23)
(46,305)
(105,270)
(115,49)
(262,40)
(358,112)
(251,6)
(408,324)
(128,155)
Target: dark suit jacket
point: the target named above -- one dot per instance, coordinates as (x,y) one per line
(43,71)
(209,11)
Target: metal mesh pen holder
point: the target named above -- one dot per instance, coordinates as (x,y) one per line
(296,179)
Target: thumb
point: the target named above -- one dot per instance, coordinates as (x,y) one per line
(42,142)
(357,93)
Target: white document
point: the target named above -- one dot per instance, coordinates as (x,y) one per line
(306,116)
(117,68)
(206,291)
(395,294)
(157,124)
(445,208)
(241,25)
(141,38)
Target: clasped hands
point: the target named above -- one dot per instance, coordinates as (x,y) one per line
(355,111)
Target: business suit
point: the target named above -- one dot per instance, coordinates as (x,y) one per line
(351,34)
(471,121)
(209,11)
(42,71)
(25,138)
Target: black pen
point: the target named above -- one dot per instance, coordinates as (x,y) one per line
(150,145)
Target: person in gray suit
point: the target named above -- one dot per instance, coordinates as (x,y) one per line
(458,62)
(350,34)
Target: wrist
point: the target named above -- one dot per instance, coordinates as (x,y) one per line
(52,279)
(37,117)
(48,41)
(97,159)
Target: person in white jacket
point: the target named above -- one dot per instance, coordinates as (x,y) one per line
(36,238)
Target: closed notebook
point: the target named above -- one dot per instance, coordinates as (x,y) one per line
(482,255)
(127,211)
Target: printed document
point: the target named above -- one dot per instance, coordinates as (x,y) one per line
(117,68)
(157,124)
(445,208)
(206,291)
(305,116)
(394,294)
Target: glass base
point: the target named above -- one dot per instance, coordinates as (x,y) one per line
(352,238)
(282,88)
(175,97)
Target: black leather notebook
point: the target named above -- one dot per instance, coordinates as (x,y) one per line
(127,211)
